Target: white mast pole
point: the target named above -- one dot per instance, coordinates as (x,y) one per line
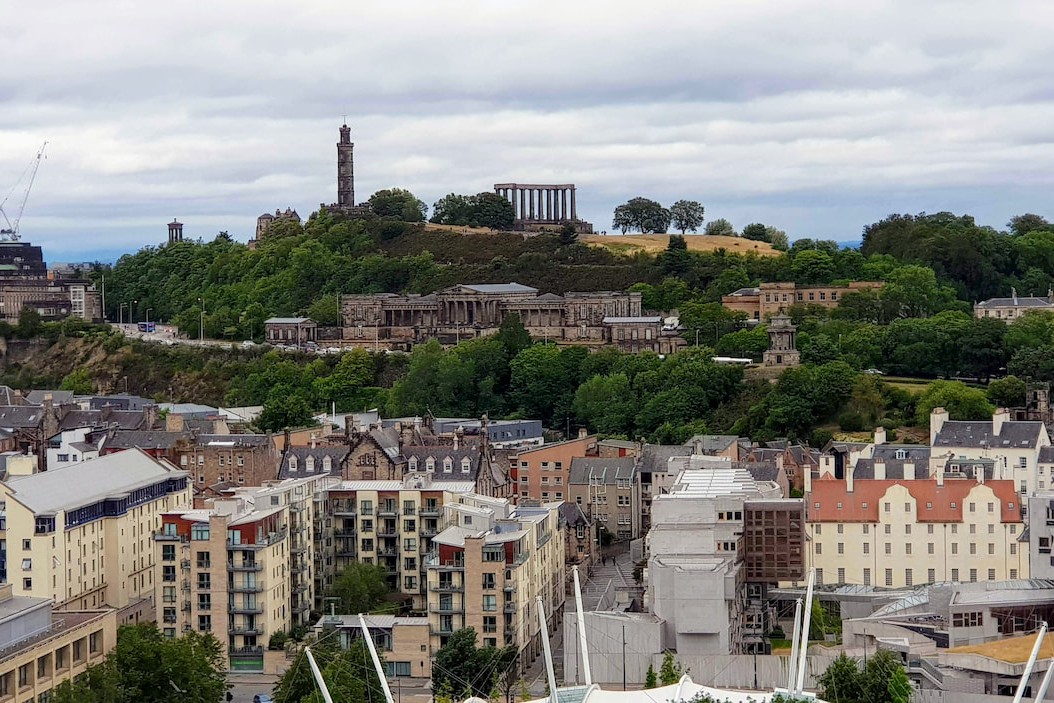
(795,642)
(376,659)
(1031,663)
(548,652)
(318,675)
(1038,698)
(806,622)
(582,627)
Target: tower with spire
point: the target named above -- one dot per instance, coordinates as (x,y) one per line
(345,169)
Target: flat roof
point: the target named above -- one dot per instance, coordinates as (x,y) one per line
(1013,650)
(88,482)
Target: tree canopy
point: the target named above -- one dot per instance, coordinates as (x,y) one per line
(643,215)
(462,669)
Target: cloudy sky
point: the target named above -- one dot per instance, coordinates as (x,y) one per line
(817,117)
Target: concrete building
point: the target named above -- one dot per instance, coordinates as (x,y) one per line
(542,473)
(1010,309)
(771,299)
(608,490)
(82,534)
(390,523)
(404,643)
(240,568)
(698,563)
(43,647)
(488,568)
(1041,535)
(595,319)
(896,532)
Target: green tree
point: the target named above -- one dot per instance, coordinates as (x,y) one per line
(877,675)
(983,353)
(842,681)
(756,231)
(29,323)
(900,689)
(465,669)
(348,673)
(813,267)
(606,404)
(1023,224)
(650,679)
(961,402)
(360,588)
(677,243)
(568,234)
(147,666)
(686,215)
(78,381)
(643,215)
(325,310)
(398,204)
(670,672)
(719,228)
(1008,392)
(777,238)
(283,408)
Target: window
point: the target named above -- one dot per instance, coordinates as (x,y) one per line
(490,623)
(889,547)
(907,577)
(867,577)
(27,584)
(168,552)
(1013,549)
(27,544)
(889,529)
(488,581)
(309,464)
(840,528)
(955,575)
(490,604)
(931,575)
(929,529)
(204,623)
(907,529)
(991,529)
(867,547)
(955,547)
(991,548)
(204,560)
(841,550)
(199,531)
(991,574)
(448,465)
(907,548)
(204,581)
(973,547)
(907,507)
(204,601)
(889,577)
(819,548)
(1013,574)
(841,575)
(967,619)
(23,676)
(973,575)
(886,507)
(27,565)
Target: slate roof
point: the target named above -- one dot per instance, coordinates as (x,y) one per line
(912,452)
(746,291)
(137,439)
(607,470)
(127,419)
(895,469)
(88,482)
(287,320)
(550,296)
(1029,301)
(759,471)
(9,396)
(654,457)
(1046,455)
(388,440)
(571,514)
(237,440)
(20,416)
(440,453)
(81,418)
(498,288)
(1014,434)
(712,443)
(336,455)
(57,397)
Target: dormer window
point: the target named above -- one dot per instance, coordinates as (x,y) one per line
(901,454)
(327,463)
(292,463)
(309,463)
(448,465)
(412,463)
(430,464)
(466,465)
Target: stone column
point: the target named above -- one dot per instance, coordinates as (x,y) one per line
(523,202)
(574,210)
(563,203)
(531,199)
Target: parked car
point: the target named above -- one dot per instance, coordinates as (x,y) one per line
(874,372)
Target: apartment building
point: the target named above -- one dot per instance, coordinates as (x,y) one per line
(42,647)
(770,299)
(390,523)
(489,567)
(708,559)
(895,532)
(217,462)
(225,569)
(609,491)
(403,642)
(542,473)
(1010,309)
(82,534)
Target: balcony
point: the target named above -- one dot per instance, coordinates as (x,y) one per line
(298,567)
(267,541)
(510,607)
(388,511)
(244,566)
(204,564)
(344,510)
(184,564)
(299,549)
(510,586)
(185,607)
(388,552)
(247,588)
(348,553)
(301,607)
(245,609)
(244,630)
(345,532)
(300,588)
(429,532)
(446,588)
(445,610)
(430,511)
(184,585)
(246,651)
(170,619)
(387,532)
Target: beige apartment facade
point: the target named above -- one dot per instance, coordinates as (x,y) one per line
(32,665)
(83,535)
(902,533)
(488,570)
(225,570)
(388,523)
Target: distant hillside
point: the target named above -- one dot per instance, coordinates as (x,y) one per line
(654,243)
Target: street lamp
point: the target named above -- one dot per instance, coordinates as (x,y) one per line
(131,312)
(201,324)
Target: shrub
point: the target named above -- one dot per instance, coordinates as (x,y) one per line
(851,421)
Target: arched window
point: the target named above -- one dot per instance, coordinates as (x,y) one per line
(327,464)
(292,462)
(448,465)
(466,465)
(413,463)
(430,464)
(309,463)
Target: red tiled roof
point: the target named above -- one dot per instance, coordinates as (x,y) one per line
(863,504)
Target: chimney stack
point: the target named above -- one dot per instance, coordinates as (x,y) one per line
(583,433)
(937,419)
(880,471)
(849,471)
(880,436)
(1001,415)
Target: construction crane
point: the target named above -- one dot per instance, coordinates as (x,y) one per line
(10,232)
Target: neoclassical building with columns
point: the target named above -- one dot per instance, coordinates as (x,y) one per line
(596,319)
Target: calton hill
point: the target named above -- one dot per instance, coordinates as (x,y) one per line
(885,355)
